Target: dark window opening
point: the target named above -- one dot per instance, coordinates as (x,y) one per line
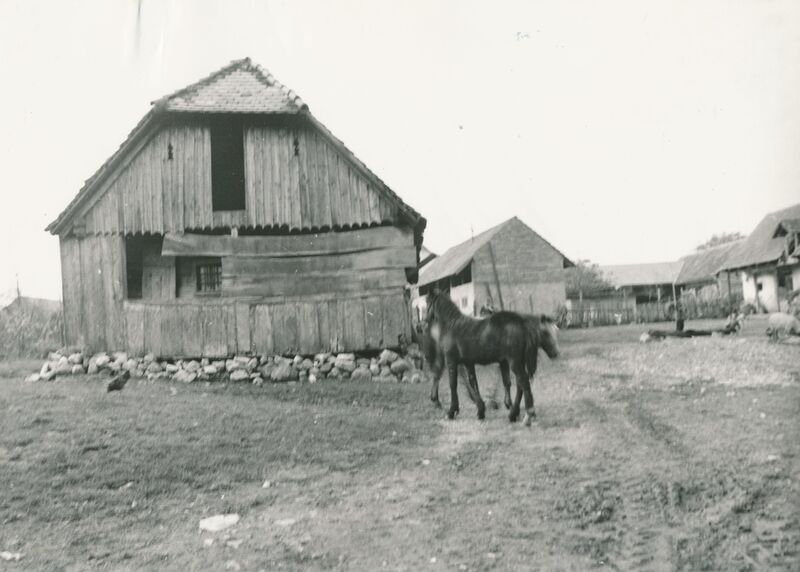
(296,145)
(209,276)
(134,266)
(169,151)
(227,165)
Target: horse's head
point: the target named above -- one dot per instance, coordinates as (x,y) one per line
(548,336)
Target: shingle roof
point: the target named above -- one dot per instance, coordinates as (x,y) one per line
(760,247)
(458,257)
(704,265)
(650,274)
(239,87)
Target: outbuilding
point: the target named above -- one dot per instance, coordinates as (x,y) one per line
(232,221)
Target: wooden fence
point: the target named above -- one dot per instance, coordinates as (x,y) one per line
(588,314)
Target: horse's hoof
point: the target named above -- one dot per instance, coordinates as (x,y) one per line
(481,415)
(508,404)
(512,417)
(527,421)
(452,414)
(436,403)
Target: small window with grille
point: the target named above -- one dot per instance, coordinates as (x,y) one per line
(209,276)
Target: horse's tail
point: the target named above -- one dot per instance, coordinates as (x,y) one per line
(531,348)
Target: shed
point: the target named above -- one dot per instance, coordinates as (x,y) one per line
(768,260)
(232,221)
(508,266)
(647,282)
(703,271)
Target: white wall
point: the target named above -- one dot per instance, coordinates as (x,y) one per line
(767,293)
(464,297)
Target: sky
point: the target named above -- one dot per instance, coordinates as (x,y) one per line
(622,131)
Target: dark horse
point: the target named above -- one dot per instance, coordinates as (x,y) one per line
(452,339)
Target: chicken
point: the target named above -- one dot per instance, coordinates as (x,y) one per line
(118,381)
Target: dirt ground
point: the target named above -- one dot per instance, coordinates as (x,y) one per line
(677,455)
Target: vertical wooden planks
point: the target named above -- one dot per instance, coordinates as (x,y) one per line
(332,163)
(191,328)
(134,328)
(285,327)
(323,324)
(262,329)
(304,161)
(373,323)
(152,329)
(308,330)
(171,330)
(354,326)
(112,323)
(244,342)
(71,289)
(215,331)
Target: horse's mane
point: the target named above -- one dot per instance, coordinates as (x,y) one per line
(445,309)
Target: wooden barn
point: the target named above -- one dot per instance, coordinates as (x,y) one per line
(232,221)
(508,267)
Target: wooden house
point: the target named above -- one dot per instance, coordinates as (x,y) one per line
(508,267)
(230,221)
(768,260)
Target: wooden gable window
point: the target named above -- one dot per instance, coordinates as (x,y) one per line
(227,164)
(209,276)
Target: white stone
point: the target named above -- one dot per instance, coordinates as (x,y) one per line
(239,375)
(218,522)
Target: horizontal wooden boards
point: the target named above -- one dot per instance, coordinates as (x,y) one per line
(287,245)
(312,283)
(382,258)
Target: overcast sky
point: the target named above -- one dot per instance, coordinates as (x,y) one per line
(622,131)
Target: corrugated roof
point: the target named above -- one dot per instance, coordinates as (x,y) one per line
(240,87)
(760,247)
(704,265)
(650,274)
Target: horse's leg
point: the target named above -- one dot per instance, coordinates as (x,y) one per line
(513,415)
(437,369)
(506,376)
(452,370)
(524,387)
(472,381)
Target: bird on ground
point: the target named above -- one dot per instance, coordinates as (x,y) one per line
(118,381)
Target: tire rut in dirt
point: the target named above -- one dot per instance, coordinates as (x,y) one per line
(647,503)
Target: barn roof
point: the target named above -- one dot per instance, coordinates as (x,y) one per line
(704,265)
(762,246)
(650,274)
(240,87)
(458,257)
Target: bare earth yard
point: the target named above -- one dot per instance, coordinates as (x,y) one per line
(680,455)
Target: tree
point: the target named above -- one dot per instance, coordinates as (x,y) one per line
(585,279)
(718,239)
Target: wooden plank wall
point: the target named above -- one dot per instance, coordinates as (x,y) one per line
(93,281)
(315,188)
(370,320)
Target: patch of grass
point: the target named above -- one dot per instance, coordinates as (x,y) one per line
(69,449)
